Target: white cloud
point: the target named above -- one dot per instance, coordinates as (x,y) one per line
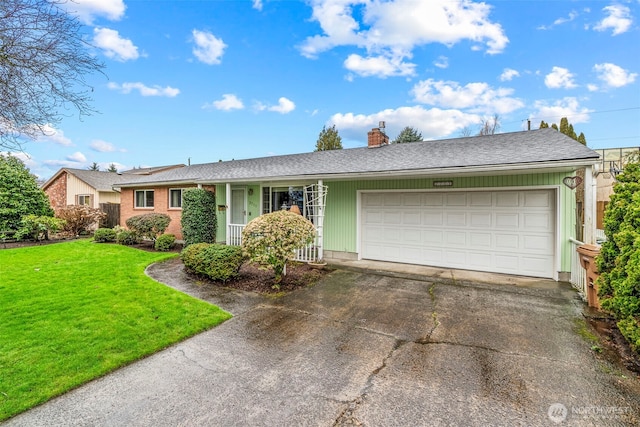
(568,107)
(257,4)
(572,15)
(113,45)
(88,10)
(77,157)
(477,97)
(559,78)
(208,48)
(284,106)
(104,146)
(144,90)
(508,74)
(51,134)
(379,66)
(592,88)
(441,62)
(392,29)
(432,123)
(228,102)
(24,157)
(613,75)
(618,19)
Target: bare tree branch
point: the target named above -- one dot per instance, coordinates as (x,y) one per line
(43,64)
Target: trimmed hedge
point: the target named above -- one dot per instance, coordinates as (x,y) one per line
(104,235)
(199,221)
(149,225)
(127,237)
(217,262)
(165,242)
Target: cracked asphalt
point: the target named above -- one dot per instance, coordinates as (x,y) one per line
(364,348)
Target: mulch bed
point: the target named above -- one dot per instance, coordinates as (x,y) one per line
(615,344)
(254,279)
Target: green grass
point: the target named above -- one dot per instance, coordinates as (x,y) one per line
(74,311)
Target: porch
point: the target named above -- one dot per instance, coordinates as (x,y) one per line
(310,201)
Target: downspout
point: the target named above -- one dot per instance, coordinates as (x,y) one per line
(227,212)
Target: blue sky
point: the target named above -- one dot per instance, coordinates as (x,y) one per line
(216,80)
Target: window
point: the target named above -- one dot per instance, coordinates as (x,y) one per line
(84,199)
(175,198)
(277,198)
(144,198)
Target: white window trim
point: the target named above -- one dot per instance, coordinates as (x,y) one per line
(135,199)
(169,201)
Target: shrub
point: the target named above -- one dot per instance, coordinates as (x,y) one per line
(79,218)
(619,259)
(127,237)
(271,239)
(37,228)
(20,194)
(104,235)
(165,242)
(199,222)
(149,225)
(217,262)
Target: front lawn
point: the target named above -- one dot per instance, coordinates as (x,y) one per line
(71,312)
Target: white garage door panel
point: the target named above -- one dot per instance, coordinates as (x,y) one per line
(499,231)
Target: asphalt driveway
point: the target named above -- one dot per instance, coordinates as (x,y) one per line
(364,348)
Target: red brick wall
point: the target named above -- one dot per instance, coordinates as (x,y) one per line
(375,138)
(161,205)
(57,191)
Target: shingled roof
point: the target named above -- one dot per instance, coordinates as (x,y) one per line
(105,181)
(541,148)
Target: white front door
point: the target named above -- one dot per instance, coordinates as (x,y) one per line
(498,231)
(238,206)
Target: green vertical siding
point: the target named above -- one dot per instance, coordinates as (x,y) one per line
(253,206)
(341,211)
(221,200)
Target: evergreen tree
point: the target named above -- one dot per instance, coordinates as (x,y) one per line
(408,134)
(567,129)
(329,139)
(20,194)
(94,167)
(112,168)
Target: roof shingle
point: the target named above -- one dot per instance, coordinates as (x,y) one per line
(530,147)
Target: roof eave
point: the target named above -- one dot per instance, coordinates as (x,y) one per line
(501,169)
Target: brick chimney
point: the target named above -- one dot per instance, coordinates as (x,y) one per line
(375,138)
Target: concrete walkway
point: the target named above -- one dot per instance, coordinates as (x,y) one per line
(386,348)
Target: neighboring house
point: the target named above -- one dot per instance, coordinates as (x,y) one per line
(612,162)
(491,203)
(71,186)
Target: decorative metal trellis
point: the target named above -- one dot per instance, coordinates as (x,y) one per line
(315,199)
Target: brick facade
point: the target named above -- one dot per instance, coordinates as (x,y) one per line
(161,205)
(376,138)
(57,191)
